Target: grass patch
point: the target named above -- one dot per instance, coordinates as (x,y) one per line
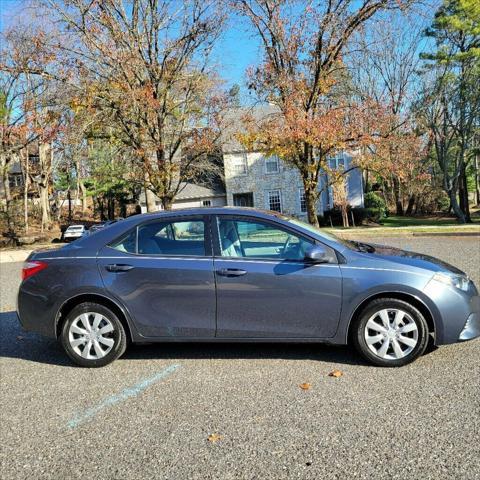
(410,225)
(396,222)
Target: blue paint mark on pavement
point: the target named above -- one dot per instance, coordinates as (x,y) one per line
(132,391)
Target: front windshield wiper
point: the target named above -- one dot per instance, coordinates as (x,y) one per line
(364,247)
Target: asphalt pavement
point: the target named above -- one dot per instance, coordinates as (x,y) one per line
(203,411)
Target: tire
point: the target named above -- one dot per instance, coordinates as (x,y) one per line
(405,339)
(105,338)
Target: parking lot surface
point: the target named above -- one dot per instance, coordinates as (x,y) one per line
(151,413)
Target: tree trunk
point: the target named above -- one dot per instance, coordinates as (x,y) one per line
(477,180)
(83,191)
(411,203)
(463,193)
(455,207)
(44,206)
(111,208)
(45,152)
(150,200)
(346,223)
(311,200)
(69,198)
(167,203)
(5,168)
(25,189)
(398,197)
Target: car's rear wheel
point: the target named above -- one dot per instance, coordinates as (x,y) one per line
(390,332)
(92,335)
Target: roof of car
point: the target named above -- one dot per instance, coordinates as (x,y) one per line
(211,211)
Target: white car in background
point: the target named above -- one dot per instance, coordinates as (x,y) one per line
(73,232)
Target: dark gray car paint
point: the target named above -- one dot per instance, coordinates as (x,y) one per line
(181,306)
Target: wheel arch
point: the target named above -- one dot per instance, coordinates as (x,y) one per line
(107,302)
(407,297)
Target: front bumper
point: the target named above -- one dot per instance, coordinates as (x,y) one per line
(471,329)
(457,316)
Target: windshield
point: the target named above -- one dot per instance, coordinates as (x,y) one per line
(352,245)
(74,229)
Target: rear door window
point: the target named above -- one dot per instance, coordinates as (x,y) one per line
(167,237)
(172,238)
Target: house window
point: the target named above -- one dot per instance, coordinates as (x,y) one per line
(274,200)
(207,203)
(15,181)
(272,164)
(337,162)
(240,164)
(303,202)
(243,199)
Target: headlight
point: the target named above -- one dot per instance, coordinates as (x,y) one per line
(462,282)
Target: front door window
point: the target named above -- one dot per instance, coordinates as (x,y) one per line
(254,239)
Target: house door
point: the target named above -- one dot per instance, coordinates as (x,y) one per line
(243,199)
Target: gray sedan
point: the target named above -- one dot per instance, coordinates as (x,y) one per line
(241,275)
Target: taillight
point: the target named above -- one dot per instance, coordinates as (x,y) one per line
(32,268)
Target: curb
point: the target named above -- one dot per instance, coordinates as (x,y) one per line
(12,256)
(354,235)
(446,234)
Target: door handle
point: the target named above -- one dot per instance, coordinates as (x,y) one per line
(118,268)
(231,272)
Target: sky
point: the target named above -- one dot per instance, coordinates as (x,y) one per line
(234,52)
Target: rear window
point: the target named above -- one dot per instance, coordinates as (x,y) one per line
(75,229)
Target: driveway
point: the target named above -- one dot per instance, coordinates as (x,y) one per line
(199,411)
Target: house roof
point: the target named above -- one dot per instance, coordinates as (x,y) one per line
(190,190)
(233,124)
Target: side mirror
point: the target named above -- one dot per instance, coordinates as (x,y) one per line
(316,254)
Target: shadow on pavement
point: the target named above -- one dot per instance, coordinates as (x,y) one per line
(204,350)
(16,343)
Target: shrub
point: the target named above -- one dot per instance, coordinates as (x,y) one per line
(374,201)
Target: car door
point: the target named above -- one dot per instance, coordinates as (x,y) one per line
(162,271)
(264,287)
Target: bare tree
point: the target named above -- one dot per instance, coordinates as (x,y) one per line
(384,67)
(145,66)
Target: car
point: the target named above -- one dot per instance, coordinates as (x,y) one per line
(241,275)
(74,232)
(96,227)
(99,226)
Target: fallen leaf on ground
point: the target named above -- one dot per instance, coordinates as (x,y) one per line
(214,437)
(305,386)
(335,373)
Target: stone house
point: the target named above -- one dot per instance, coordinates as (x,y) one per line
(255,180)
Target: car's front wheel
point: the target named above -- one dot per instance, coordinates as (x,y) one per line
(92,335)
(390,332)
